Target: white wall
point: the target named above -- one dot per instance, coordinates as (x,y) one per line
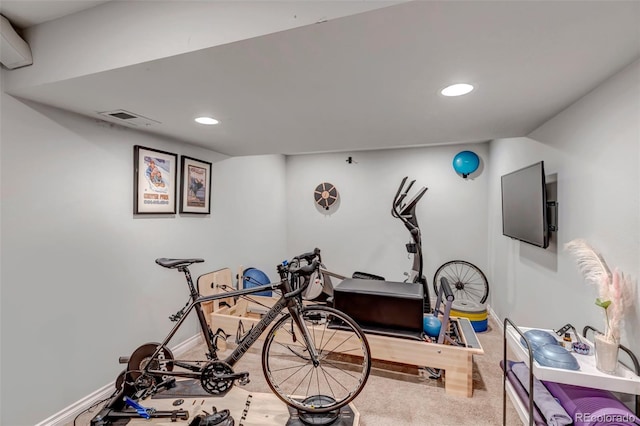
(594,148)
(79,284)
(361,235)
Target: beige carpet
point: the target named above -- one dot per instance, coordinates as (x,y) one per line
(397,396)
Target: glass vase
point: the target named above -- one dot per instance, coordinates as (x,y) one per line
(606,351)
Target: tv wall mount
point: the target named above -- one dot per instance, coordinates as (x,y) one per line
(552,213)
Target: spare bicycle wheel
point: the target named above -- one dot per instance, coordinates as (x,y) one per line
(466,280)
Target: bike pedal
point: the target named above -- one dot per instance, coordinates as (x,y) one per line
(244,380)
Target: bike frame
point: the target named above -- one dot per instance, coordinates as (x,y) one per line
(250,338)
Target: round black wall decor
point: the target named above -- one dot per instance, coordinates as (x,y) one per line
(325,195)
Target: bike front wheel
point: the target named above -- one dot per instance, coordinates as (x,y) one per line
(342,369)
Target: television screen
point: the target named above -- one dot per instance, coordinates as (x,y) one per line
(524,205)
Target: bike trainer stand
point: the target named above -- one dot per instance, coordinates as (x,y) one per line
(346,416)
(247,409)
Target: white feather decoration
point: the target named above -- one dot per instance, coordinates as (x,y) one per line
(615,289)
(591,264)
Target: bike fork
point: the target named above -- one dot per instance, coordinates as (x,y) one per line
(297,318)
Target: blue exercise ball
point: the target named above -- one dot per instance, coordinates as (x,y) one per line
(253,277)
(466,162)
(432,325)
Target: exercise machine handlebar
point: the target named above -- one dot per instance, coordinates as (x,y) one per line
(406,212)
(446,289)
(397,199)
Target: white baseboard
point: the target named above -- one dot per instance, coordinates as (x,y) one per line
(493,314)
(69,413)
(186,345)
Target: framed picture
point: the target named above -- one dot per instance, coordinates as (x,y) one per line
(154,181)
(195,186)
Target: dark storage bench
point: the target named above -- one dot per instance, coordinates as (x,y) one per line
(383,307)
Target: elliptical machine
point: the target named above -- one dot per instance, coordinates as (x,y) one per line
(406,212)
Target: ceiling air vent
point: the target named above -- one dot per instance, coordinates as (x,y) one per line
(127,118)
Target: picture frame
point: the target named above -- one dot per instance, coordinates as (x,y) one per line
(195,186)
(155,175)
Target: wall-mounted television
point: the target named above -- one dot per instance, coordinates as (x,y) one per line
(524,205)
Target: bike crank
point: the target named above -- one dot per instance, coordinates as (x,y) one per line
(217,377)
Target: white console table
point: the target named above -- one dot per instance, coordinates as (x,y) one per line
(624,380)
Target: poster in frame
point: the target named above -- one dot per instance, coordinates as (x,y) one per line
(154,181)
(195,186)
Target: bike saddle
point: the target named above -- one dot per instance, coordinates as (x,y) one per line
(176,263)
(220,418)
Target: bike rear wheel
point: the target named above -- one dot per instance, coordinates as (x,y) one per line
(344,360)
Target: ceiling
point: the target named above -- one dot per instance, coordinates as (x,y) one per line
(26,13)
(372,80)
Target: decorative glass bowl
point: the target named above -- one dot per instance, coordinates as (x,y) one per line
(581,348)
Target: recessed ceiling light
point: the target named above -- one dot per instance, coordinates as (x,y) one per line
(206,120)
(457,89)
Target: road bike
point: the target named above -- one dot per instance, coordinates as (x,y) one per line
(316,359)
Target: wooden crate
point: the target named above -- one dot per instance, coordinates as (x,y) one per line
(456,361)
(215,282)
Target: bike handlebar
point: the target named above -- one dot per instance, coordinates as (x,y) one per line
(309,257)
(304,271)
